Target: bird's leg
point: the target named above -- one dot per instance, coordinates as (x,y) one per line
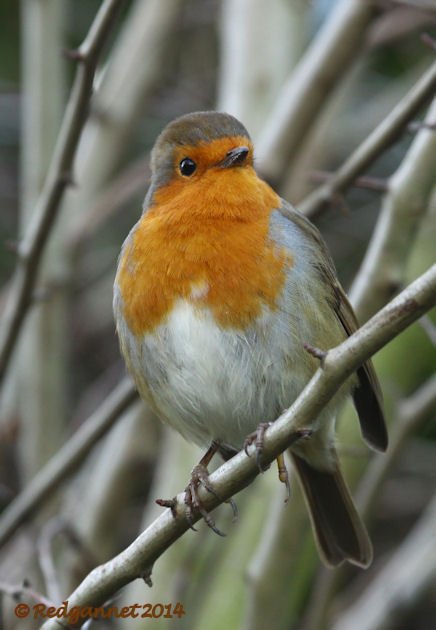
(257,438)
(283,475)
(200,477)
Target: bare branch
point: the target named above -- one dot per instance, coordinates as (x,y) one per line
(46,558)
(249,83)
(58,177)
(235,474)
(338,43)
(412,412)
(429,327)
(409,573)
(374,145)
(113,197)
(24,590)
(382,271)
(419,5)
(66,460)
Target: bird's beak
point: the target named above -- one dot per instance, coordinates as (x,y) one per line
(234,157)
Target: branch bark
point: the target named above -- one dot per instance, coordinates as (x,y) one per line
(409,573)
(412,412)
(249,83)
(66,460)
(338,43)
(59,176)
(404,206)
(137,560)
(374,145)
(132,71)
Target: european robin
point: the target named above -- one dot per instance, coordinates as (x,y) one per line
(220,286)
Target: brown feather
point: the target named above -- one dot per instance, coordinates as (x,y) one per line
(339,531)
(367,395)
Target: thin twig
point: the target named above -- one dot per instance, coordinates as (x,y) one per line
(419,5)
(235,474)
(67,459)
(132,181)
(58,178)
(18,592)
(364,181)
(378,141)
(429,41)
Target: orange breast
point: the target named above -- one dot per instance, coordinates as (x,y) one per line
(206,242)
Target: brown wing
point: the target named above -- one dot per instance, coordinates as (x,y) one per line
(367,395)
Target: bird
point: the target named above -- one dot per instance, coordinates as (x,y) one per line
(221,288)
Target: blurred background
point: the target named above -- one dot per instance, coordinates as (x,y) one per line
(255,60)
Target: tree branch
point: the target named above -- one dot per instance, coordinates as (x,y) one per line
(138,559)
(338,43)
(66,460)
(409,573)
(374,145)
(404,206)
(59,176)
(412,412)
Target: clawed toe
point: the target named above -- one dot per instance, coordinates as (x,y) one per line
(200,477)
(257,438)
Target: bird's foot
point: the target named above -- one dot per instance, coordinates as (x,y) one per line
(257,438)
(193,502)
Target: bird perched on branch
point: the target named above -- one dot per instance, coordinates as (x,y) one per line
(221,287)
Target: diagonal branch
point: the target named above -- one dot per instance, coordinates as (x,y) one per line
(412,412)
(322,67)
(59,176)
(67,459)
(410,573)
(137,560)
(374,145)
(404,206)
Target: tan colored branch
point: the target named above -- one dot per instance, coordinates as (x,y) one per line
(409,573)
(323,66)
(59,176)
(404,206)
(374,145)
(122,95)
(66,459)
(412,412)
(138,559)
(249,83)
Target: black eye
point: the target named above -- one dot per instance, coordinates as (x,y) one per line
(187,167)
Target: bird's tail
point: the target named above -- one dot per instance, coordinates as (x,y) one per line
(338,528)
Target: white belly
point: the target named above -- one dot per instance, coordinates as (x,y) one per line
(211,383)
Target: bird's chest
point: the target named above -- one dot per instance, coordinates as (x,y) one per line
(231,268)
(202,329)
(209,382)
